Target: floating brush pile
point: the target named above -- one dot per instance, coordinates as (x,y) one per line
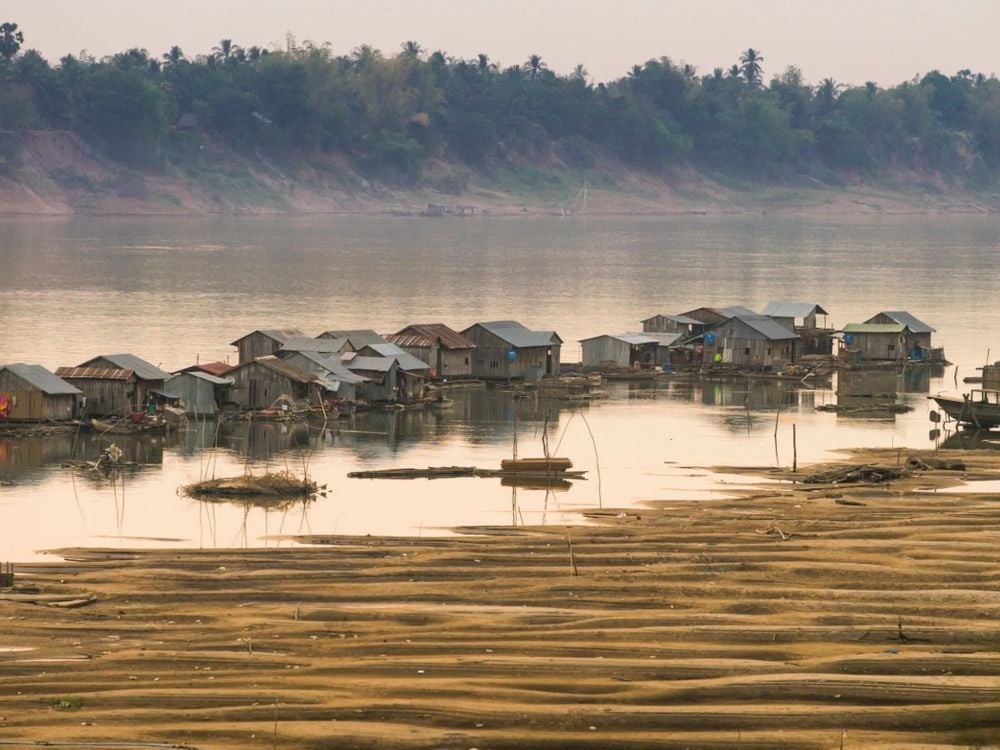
(282,485)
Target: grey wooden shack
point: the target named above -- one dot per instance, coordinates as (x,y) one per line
(447,351)
(876,341)
(264,341)
(506,349)
(796,315)
(31,393)
(620,350)
(344,383)
(673,324)
(147,377)
(918,333)
(750,341)
(381,377)
(413,371)
(201,394)
(320,345)
(107,391)
(260,383)
(712,316)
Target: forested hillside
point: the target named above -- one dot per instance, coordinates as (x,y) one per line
(420,118)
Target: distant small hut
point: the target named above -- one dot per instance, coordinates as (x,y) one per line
(751,342)
(201,394)
(633,350)
(447,351)
(808,320)
(355,338)
(107,391)
(263,342)
(146,377)
(31,393)
(917,345)
(346,385)
(507,349)
(262,382)
(673,324)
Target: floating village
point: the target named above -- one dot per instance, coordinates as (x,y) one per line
(285,374)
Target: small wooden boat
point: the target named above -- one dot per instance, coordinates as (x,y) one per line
(979,408)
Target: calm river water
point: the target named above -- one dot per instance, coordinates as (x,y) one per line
(173,290)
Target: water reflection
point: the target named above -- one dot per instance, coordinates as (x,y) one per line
(631,443)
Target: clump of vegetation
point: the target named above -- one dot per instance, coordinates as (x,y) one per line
(67,703)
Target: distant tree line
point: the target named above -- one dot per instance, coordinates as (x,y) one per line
(390,114)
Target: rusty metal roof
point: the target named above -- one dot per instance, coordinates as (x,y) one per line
(94,373)
(143,370)
(281,335)
(450,338)
(410,340)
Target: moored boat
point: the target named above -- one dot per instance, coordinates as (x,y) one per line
(979,408)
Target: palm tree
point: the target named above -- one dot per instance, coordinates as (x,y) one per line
(174,57)
(225,49)
(365,55)
(750,66)
(826,93)
(689,71)
(871,87)
(483,64)
(579,73)
(635,73)
(534,66)
(412,50)
(734,72)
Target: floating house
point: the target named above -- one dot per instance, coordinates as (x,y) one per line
(808,320)
(447,351)
(876,341)
(673,324)
(506,349)
(201,394)
(107,391)
(147,377)
(413,372)
(712,316)
(31,393)
(750,341)
(381,374)
(345,384)
(263,342)
(261,383)
(608,351)
(918,334)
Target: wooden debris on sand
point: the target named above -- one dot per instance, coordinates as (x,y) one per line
(268,485)
(62,601)
(857,473)
(930,464)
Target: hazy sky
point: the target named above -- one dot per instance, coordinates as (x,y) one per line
(850,40)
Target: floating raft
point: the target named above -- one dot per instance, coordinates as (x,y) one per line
(545,470)
(431,472)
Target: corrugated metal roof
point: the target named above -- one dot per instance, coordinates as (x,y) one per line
(371,364)
(204,376)
(666,339)
(282,368)
(792,309)
(143,370)
(94,373)
(43,379)
(682,319)
(414,341)
(913,323)
(733,311)
(358,338)
(334,366)
(767,327)
(310,344)
(281,335)
(628,338)
(517,335)
(407,361)
(874,328)
(212,368)
(450,338)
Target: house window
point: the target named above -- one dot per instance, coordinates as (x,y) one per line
(746,351)
(466,360)
(891,348)
(768,351)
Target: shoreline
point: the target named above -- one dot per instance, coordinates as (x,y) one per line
(783,617)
